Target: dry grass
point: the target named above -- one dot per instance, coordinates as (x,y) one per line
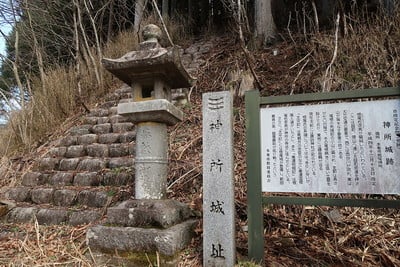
(362,52)
(66,90)
(34,245)
(53,102)
(123,42)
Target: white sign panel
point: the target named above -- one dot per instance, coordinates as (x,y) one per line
(332,148)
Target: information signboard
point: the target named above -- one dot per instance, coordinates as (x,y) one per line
(350,147)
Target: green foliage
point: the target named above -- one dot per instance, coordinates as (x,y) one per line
(111,193)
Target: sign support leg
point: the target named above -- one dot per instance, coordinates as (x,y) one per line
(254,194)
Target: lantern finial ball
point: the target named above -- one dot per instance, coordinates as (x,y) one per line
(151,32)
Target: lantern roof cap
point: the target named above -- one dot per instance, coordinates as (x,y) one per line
(150,62)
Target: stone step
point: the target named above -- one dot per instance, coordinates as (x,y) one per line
(116,96)
(124,91)
(89,164)
(115,177)
(90,138)
(90,147)
(113,119)
(87,139)
(99,112)
(69,197)
(101,128)
(50,216)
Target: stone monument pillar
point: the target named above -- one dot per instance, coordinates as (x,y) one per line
(150,226)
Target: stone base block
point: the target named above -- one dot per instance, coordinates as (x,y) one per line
(147,212)
(131,259)
(126,240)
(157,110)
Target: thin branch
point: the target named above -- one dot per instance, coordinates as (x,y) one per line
(162,22)
(250,64)
(315,15)
(86,42)
(37,51)
(328,71)
(98,47)
(301,60)
(298,75)
(181,178)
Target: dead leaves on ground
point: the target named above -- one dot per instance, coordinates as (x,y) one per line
(33,245)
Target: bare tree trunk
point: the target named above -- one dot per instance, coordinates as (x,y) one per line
(77,58)
(20,129)
(239,19)
(15,70)
(173,7)
(165,5)
(37,51)
(77,55)
(139,10)
(91,59)
(16,59)
(110,20)
(265,28)
(98,47)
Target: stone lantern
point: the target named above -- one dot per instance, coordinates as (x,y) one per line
(152,72)
(149,225)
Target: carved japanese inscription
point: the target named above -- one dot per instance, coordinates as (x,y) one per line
(218,181)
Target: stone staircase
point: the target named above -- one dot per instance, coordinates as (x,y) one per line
(88,170)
